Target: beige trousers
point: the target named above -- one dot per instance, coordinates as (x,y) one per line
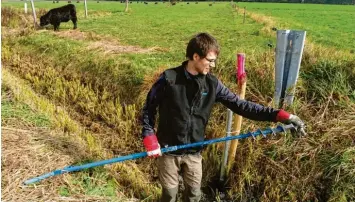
(190,165)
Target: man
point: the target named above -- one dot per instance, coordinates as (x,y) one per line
(185,96)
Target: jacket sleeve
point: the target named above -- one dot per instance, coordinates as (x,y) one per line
(242,107)
(154,97)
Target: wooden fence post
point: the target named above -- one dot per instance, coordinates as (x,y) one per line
(245,8)
(86,9)
(237,124)
(25,6)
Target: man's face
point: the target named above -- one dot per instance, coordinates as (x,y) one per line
(204,65)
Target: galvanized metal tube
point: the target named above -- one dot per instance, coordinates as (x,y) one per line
(226,145)
(289,51)
(298,38)
(281,47)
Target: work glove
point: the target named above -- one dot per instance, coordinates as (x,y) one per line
(286,118)
(152,146)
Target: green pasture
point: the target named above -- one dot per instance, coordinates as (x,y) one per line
(329,25)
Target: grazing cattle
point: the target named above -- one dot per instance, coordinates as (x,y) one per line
(57,15)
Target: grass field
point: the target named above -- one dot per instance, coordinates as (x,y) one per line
(88,86)
(329,25)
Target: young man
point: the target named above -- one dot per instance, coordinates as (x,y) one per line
(185,96)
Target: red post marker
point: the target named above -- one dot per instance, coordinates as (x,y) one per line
(241,74)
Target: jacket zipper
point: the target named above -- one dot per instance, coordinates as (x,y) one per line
(192,110)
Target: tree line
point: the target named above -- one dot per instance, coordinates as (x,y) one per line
(344,2)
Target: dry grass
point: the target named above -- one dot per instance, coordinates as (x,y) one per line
(101,143)
(10,17)
(109,48)
(14,23)
(148,81)
(104,44)
(267,21)
(25,154)
(79,35)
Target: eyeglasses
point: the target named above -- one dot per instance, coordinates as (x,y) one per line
(211,60)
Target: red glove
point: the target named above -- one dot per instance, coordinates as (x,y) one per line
(152,146)
(282,116)
(285,117)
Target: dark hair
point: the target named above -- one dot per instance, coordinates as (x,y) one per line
(201,44)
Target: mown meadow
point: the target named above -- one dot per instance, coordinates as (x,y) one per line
(88,86)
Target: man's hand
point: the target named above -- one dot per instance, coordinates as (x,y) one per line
(285,117)
(152,146)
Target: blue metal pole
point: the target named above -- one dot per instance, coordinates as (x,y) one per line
(68,169)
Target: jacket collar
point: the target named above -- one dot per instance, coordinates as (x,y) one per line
(188,75)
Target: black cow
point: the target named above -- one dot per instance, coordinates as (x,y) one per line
(57,15)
